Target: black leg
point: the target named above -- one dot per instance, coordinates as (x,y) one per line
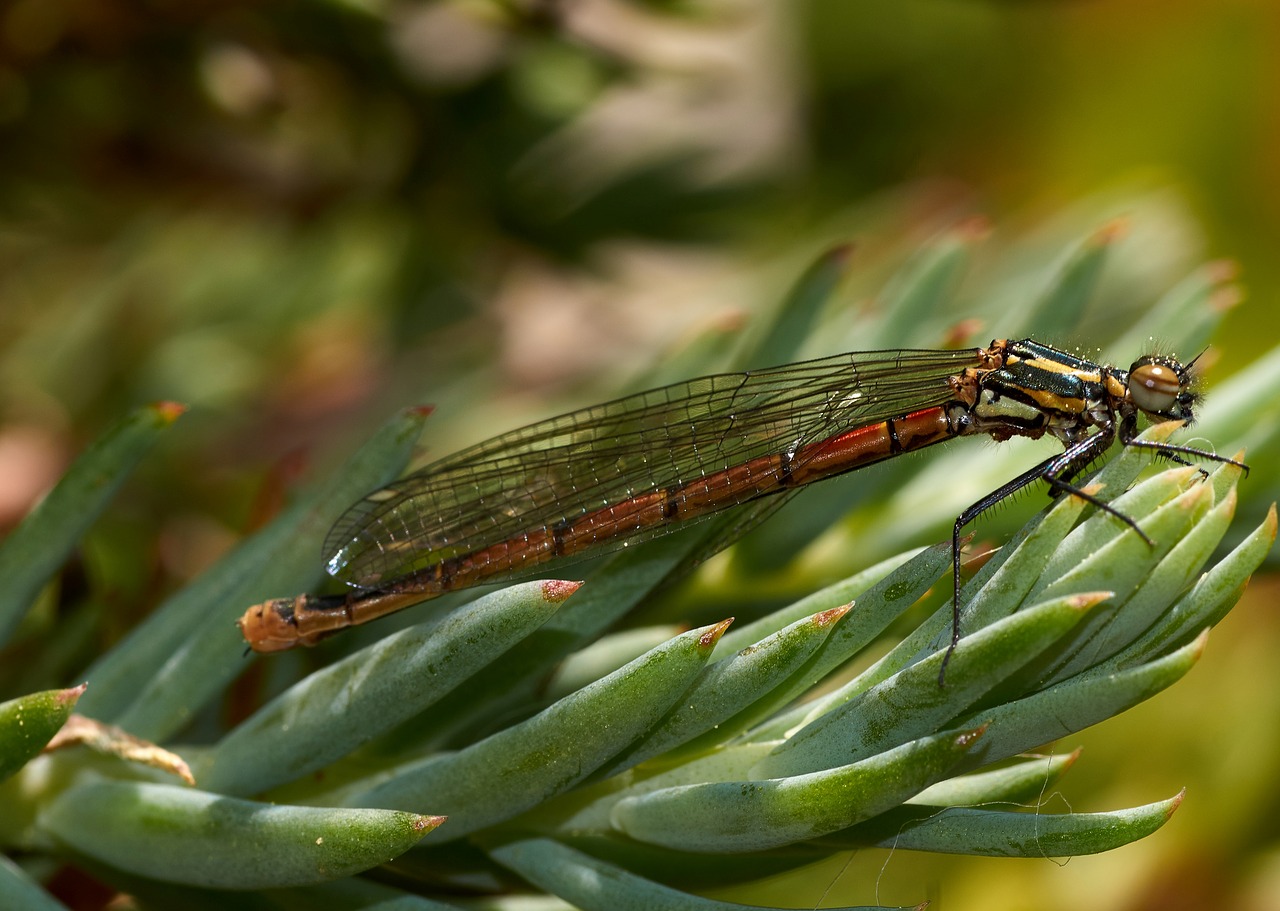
(1053,470)
(1172,451)
(1058,472)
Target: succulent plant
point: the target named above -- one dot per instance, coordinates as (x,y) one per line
(572,739)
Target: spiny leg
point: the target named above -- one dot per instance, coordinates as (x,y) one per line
(1173,451)
(1066,464)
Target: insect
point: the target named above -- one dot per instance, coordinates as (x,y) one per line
(596,480)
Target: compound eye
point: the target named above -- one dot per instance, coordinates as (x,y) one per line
(1154,388)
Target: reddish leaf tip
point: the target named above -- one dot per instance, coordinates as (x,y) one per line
(966,739)
(1070,759)
(1086,600)
(1114,230)
(959,333)
(557,590)
(169,411)
(974,228)
(1225,298)
(830,616)
(713,633)
(72,694)
(840,255)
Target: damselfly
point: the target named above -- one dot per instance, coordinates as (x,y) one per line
(599,479)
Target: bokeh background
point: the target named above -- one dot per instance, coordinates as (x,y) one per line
(297,216)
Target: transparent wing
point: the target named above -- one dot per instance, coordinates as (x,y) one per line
(555,471)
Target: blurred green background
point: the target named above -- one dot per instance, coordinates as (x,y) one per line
(298,216)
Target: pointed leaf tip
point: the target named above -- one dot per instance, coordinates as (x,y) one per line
(169,411)
(1093,489)
(1114,230)
(557,590)
(830,616)
(28,724)
(1222,270)
(973,229)
(712,634)
(71,695)
(1161,432)
(966,739)
(1225,299)
(425,824)
(1085,600)
(840,255)
(959,334)
(420,411)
